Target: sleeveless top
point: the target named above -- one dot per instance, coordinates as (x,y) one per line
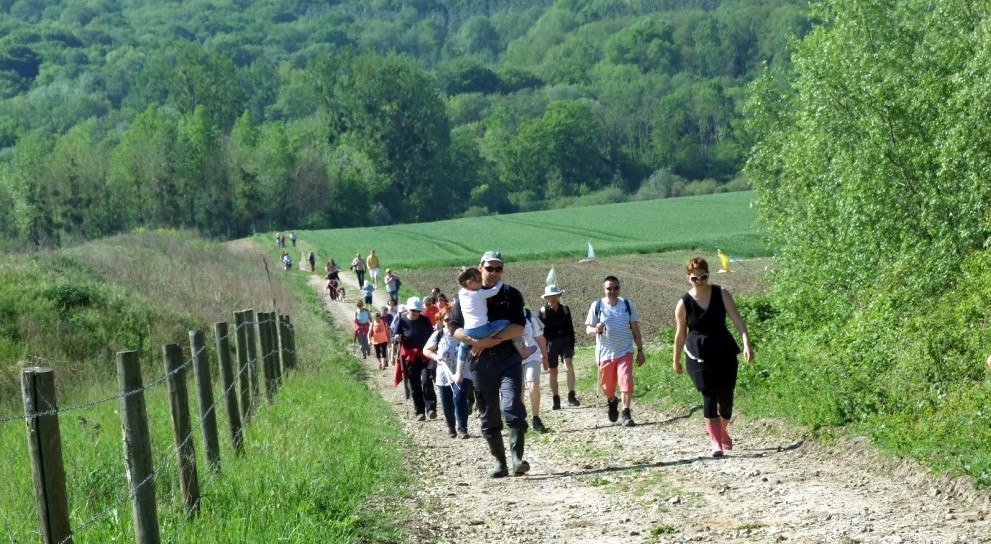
(708,335)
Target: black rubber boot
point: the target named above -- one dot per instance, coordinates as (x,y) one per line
(517,445)
(498,450)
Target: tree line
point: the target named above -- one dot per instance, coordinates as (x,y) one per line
(311,114)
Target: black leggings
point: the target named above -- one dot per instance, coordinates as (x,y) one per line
(717,382)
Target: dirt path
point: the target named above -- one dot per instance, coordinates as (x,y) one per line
(592,481)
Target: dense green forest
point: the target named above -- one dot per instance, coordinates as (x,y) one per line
(232,116)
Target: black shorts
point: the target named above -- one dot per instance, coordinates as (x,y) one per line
(558,349)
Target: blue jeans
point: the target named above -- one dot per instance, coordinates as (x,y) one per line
(481,331)
(455,404)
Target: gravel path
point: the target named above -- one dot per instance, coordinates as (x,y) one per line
(593,481)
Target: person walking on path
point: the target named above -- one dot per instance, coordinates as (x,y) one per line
(292,238)
(559,332)
(412,332)
(614,322)
(451,383)
(498,369)
(312,258)
(710,350)
(533,335)
(362,323)
(392,284)
(378,335)
(358,265)
(373,267)
(368,289)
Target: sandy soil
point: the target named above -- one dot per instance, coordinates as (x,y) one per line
(593,481)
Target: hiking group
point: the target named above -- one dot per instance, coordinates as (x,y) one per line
(485,351)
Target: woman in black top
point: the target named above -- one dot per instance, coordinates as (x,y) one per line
(710,349)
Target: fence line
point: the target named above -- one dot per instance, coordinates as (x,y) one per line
(89,404)
(279,348)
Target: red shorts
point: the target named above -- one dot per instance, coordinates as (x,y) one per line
(613,370)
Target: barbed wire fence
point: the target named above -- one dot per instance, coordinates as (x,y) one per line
(239,391)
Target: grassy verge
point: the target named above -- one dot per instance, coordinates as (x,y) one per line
(316,461)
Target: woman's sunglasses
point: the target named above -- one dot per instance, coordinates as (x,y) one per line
(699,277)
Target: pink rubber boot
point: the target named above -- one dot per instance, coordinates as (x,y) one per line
(715,430)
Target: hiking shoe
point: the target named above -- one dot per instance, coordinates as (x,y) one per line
(451,432)
(421,417)
(627,418)
(538,425)
(556,405)
(433,414)
(572,399)
(613,409)
(462,434)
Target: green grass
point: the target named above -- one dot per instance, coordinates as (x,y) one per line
(319,463)
(721,220)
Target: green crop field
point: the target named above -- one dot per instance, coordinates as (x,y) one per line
(706,222)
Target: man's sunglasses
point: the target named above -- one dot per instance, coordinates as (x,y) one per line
(493,268)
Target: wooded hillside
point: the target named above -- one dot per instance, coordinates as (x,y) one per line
(235,116)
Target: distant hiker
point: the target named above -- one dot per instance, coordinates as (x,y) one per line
(358,266)
(559,331)
(368,289)
(373,267)
(378,335)
(498,369)
(442,302)
(292,238)
(710,350)
(313,261)
(614,322)
(412,332)
(286,261)
(533,334)
(392,284)
(453,383)
(362,323)
(430,310)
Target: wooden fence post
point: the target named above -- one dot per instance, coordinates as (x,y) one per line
(265,339)
(241,339)
(227,379)
(287,360)
(292,342)
(250,324)
(277,360)
(204,399)
(182,432)
(137,448)
(45,448)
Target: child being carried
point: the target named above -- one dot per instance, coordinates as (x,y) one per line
(474,308)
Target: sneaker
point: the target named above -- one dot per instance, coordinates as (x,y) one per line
(433,414)
(421,417)
(627,418)
(538,425)
(572,399)
(613,409)
(556,403)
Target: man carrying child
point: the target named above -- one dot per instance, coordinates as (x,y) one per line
(497,365)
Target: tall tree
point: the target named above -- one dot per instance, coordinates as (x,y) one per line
(871,168)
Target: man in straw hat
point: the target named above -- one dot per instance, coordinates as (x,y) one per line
(498,369)
(559,331)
